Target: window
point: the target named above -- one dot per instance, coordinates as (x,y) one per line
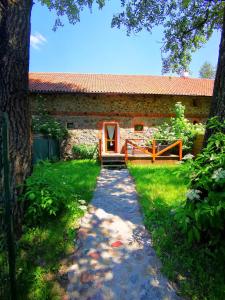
(69,125)
(139,127)
(195,121)
(195,102)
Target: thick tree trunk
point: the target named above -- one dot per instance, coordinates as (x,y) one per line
(218,100)
(14,67)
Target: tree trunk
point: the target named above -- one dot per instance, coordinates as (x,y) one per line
(14,67)
(218,100)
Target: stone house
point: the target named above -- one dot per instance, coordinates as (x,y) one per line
(117,107)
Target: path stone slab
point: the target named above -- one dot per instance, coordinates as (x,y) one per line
(114,259)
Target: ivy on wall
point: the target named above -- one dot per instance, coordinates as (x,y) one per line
(44,123)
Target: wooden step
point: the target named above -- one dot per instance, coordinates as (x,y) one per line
(113,161)
(121,166)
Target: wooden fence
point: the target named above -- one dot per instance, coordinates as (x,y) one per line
(153,150)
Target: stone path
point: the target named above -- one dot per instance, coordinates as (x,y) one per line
(114,259)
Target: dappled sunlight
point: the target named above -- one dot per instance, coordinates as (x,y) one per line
(114,258)
(45,250)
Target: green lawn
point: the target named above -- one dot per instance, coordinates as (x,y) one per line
(197,272)
(44,250)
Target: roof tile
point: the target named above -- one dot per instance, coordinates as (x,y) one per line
(119,84)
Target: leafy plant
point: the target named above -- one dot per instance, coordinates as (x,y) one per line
(49,191)
(178,128)
(203,215)
(85,151)
(46,124)
(44,251)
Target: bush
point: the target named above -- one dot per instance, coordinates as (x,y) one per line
(42,197)
(203,215)
(85,151)
(53,188)
(178,128)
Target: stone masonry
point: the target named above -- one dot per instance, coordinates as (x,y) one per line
(84,114)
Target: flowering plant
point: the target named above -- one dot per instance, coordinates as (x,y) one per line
(178,128)
(203,214)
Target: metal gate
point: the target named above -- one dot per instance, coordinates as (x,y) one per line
(7,244)
(45,147)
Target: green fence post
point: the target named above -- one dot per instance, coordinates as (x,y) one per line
(8,208)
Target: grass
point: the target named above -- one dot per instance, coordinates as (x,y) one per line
(44,250)
(197,272)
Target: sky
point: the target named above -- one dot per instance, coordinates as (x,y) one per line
(92,46)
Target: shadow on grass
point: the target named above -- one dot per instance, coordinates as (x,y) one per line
(45,250)
(41,255)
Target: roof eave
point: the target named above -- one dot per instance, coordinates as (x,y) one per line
(116,93)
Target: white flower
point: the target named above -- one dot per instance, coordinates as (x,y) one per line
(188,156)
(83,207)
(193,194)
(83,202)
(218,174)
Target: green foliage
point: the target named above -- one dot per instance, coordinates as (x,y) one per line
(82,151)
(207,71)
(197,271)
(45,250)
(71,9)
(50,190)
(203,215)
(178,128)
(46,124)
(187,24)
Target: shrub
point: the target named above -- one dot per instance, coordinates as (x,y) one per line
(203,215)
(41,197)
(85,151)
(48,191)
(178,128)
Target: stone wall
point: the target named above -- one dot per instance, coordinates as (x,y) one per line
(117,104)
(85,113)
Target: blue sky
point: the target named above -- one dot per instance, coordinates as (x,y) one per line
(92,46)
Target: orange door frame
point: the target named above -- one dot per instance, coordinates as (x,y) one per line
(116,137)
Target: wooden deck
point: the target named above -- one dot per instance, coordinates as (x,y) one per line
(136,154)
(114,158)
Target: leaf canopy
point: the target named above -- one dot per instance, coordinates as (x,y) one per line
(69,8)
(187,24)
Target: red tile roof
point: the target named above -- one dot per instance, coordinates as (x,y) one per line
(119,84)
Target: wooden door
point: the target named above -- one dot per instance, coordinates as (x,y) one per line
(111,137)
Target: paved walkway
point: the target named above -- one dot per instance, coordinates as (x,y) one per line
(114,259)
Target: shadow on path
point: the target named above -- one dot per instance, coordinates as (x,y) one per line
(114,258)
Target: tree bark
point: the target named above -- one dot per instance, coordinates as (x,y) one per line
(14,67)
(218,100)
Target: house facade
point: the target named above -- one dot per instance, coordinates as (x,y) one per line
(114,108)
